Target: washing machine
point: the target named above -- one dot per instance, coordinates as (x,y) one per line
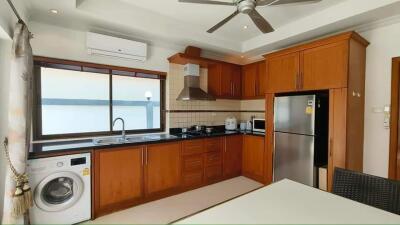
(61,189)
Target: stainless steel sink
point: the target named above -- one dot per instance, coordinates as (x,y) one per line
(133,139)
(109,140)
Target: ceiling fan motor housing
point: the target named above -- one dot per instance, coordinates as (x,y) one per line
(246,6)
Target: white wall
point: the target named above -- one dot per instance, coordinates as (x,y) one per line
(63,43)
(385,44)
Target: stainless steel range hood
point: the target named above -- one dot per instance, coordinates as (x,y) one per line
(191,89)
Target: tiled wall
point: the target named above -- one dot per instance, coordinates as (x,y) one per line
(186,119)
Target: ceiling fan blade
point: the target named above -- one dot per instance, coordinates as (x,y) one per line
(220,24)
(261,22)
(265,2)
(206,2)
(284,2)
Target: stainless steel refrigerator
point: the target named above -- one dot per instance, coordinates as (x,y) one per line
(301,137)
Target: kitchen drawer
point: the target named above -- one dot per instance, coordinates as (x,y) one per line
(192,147)
(213,173)
(192,179)
(213,158)
(214,144)
(193,163)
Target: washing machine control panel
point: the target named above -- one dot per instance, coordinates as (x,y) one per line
(78,161)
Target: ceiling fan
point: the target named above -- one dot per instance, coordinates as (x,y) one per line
(248,7)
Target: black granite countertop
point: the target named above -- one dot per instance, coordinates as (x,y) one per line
(40,150)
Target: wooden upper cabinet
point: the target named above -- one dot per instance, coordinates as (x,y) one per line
(162,168)
(118,178)
(320,65)
(224,81)
(261,79)
(236,80)
(249,78)
(214,80)
(232,156)
(283,73)
(325,67)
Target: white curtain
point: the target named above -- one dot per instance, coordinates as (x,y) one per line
(19,116)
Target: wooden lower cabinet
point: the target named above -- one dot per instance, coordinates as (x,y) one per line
(192,170)
(232,156)
(118,181)
(128,176)
(253,157)
(162,168)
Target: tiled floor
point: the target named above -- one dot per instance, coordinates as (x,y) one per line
(176,207)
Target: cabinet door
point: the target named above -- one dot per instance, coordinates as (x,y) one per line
(163,168)
(249,80)
(232,157)
(192,170)
(226,80)
(237,81)
(325,67)
(283,72)
(337,132)
(253,157)
(214,80)
(118,178)
(261,79)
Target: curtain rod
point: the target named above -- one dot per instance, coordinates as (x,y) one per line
(15,11)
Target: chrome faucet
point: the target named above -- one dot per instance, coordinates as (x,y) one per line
(123,136)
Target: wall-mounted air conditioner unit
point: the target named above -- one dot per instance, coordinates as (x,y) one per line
(98,44)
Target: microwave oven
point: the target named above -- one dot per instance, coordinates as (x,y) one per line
(259,125)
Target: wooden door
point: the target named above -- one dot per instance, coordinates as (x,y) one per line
(232,156)
(261,79)
(214,80)
(162,168)
(283,73)
(237,81)
(253,157)
(394,149)
(337,132)
(118,178)
(325,67)
(249,77)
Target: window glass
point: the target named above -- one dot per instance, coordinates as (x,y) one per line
(74,101)
(137,101)
(77,102)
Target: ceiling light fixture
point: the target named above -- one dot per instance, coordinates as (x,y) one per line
(54,11)
(245,27)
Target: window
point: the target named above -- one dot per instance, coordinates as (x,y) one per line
(76,100)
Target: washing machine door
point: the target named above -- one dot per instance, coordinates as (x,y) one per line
(59,191)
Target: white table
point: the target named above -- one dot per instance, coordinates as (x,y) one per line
(288,202)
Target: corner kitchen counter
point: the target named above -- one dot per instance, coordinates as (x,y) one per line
(41,150)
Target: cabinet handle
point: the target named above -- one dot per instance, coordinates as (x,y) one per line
(147,155)
(301,82)
(225,144)
(233,88)
(330,147)
(297,81)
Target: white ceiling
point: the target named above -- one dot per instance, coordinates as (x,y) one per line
(201,17)
(174,23)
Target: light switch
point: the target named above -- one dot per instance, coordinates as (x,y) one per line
(386,120)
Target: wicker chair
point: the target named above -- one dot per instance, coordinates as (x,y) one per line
(370,190)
